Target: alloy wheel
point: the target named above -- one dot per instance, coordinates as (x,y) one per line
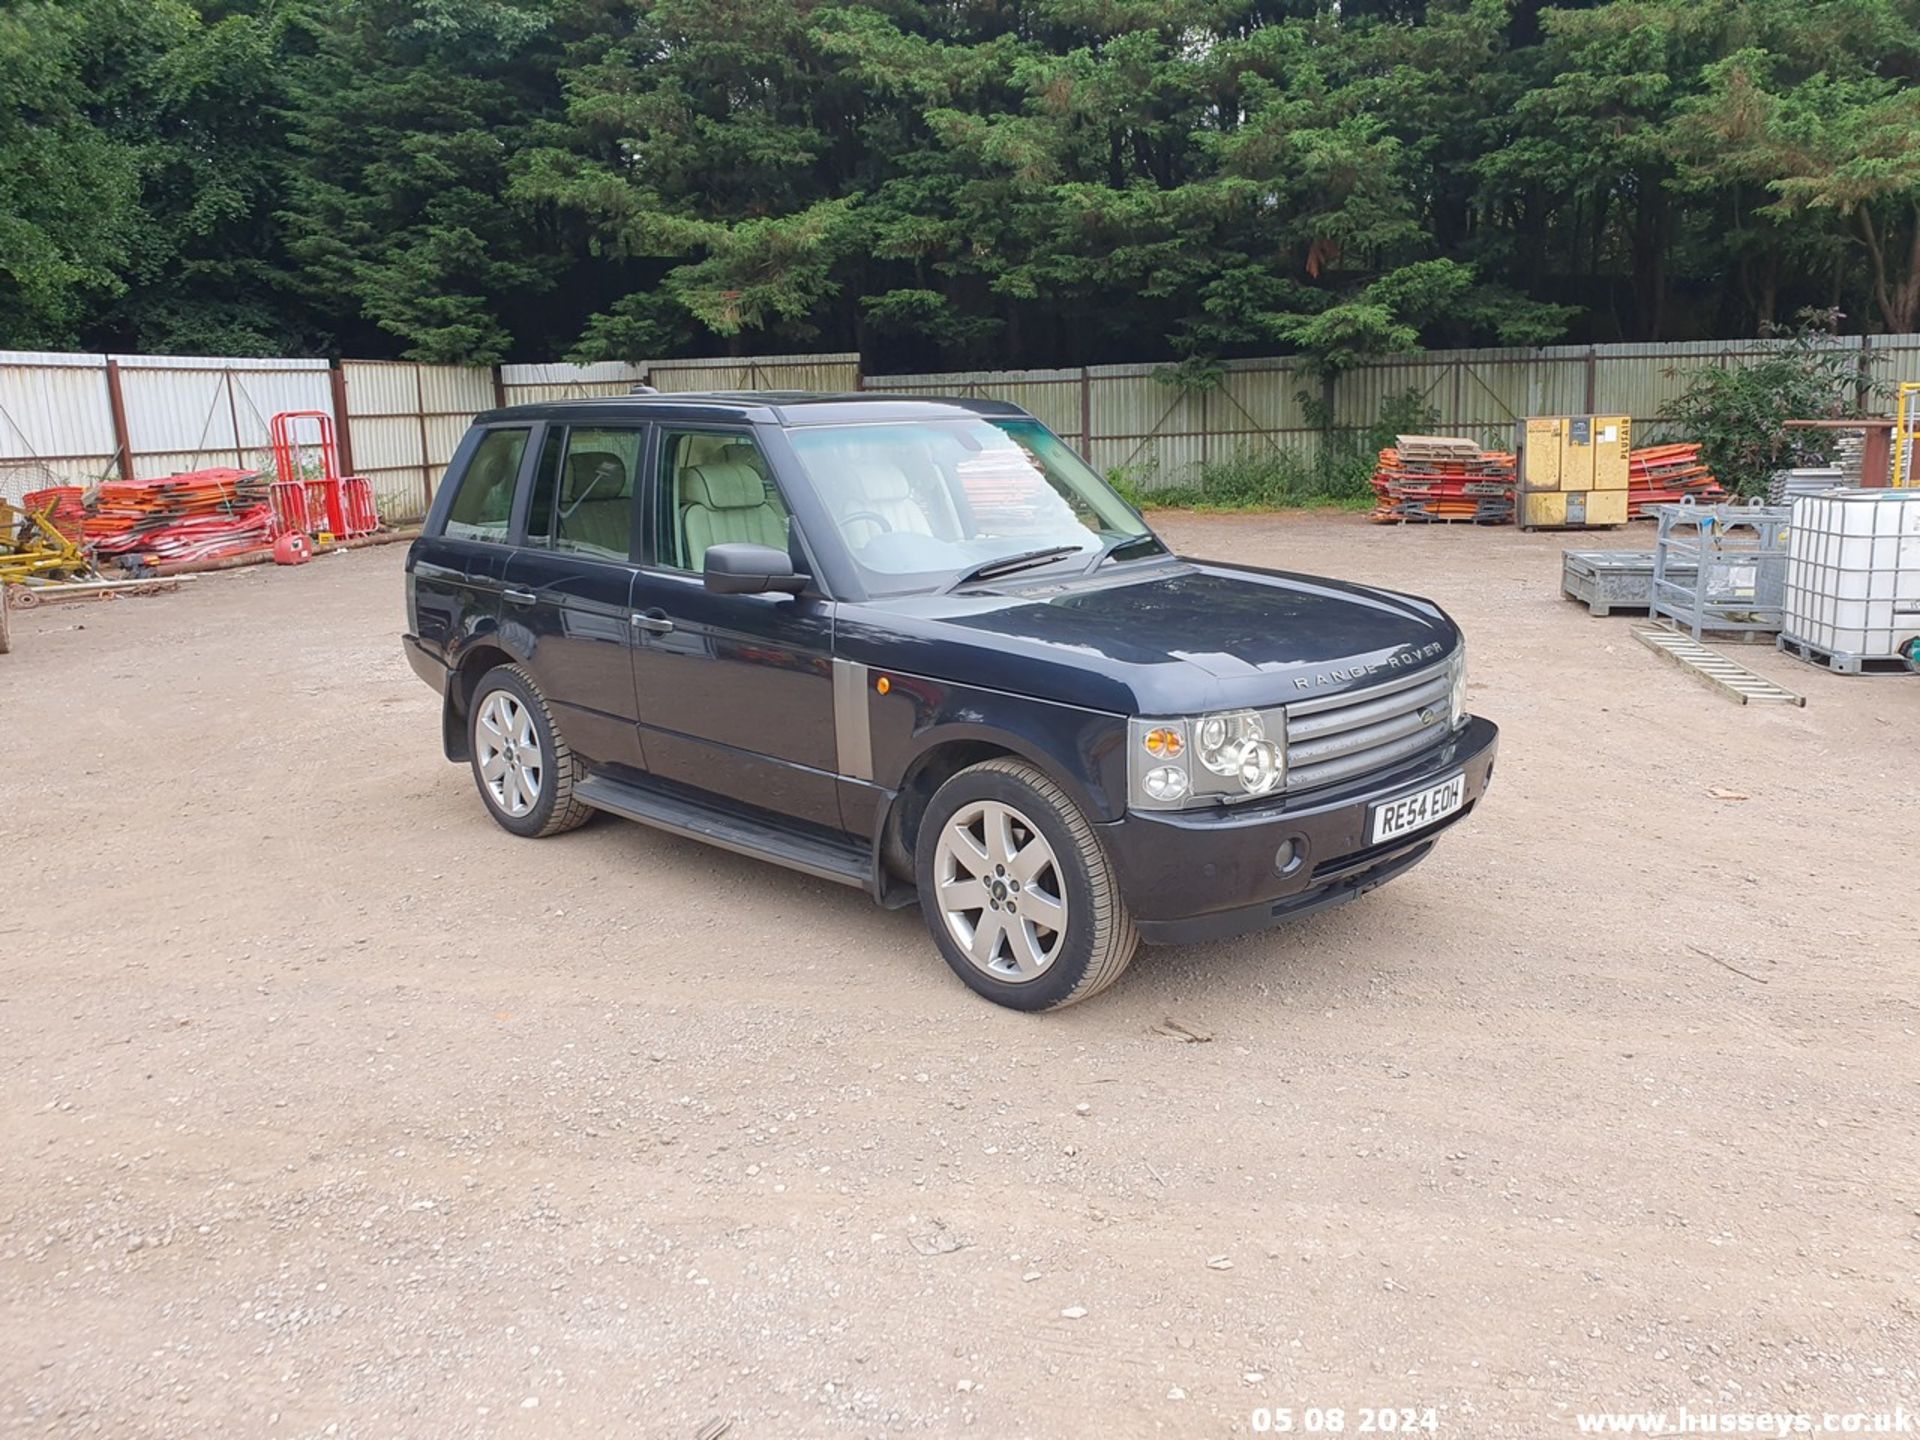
(511,763)
(1000,891)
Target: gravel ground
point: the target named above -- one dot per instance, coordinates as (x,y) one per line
(330,1108)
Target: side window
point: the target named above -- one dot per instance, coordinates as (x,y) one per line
(484,503)
(715,488)
(583,490)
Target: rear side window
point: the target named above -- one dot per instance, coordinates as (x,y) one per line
(583,494)
(483,506)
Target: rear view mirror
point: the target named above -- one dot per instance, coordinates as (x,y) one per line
(738,568)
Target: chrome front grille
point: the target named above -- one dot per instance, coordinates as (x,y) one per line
(1349,734)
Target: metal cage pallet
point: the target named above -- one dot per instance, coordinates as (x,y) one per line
(1737,556)
(1853,578)
(1609,580)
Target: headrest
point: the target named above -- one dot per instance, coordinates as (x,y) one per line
(739,452)
(877,481)
(722,485)
(595,475)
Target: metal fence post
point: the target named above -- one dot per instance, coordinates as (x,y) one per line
(337,381)
(1086,414)
(426,463)
(233,418)
(1329,399)
(117,405)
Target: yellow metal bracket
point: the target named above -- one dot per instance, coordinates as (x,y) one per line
(31,546)
(1906,410)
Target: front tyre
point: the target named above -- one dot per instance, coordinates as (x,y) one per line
(1018,893)
(521,763)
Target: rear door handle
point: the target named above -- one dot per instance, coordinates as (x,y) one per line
(518,597)
(654,621)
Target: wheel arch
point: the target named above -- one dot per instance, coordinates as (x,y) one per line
(476,659)
(942,755)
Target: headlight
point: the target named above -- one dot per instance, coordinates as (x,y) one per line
(1262,764)
(1222,739)
(1227,756)
(1457,697)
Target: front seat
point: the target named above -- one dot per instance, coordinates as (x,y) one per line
(739,452)
(595,506)
(880,489)
(725,502)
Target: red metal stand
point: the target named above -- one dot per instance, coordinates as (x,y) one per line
(326,505)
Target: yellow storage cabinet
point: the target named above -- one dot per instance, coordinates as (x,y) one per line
(1573,471)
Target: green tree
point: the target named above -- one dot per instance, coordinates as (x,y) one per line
(406,119)
(69,193)
(1024,183)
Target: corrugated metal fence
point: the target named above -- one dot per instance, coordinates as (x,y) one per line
(79,418)
(67,418)
(402,422)
(1133,418)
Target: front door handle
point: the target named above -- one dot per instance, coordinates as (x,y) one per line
(654,621)
(518,597)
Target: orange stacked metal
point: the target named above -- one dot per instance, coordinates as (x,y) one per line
(1665,475)
(198,515)
(1434,479)
(62,506)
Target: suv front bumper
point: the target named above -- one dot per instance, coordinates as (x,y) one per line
(1192,875)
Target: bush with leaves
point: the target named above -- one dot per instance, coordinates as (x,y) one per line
(1739,414)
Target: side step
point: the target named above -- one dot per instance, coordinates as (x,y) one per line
(841,861)
(1733,680)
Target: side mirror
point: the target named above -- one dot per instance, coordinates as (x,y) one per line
(743,569)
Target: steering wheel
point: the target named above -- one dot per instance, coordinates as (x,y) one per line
(847,520)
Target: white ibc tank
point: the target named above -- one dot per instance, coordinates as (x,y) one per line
(1853,572)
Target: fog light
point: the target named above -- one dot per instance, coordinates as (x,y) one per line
(1283,858)
(1165,782)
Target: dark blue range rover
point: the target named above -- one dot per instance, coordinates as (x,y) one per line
(919,647)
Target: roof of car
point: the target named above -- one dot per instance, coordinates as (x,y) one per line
(779,407)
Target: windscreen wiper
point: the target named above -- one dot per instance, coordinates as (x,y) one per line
(1007,564)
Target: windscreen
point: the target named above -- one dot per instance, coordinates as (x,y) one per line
(920,503)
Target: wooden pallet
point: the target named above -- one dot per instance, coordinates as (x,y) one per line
(1735,681)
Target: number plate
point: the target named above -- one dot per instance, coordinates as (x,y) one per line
(1404,814)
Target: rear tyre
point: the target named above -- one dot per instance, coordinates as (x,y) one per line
(521,763)
(1020,897)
